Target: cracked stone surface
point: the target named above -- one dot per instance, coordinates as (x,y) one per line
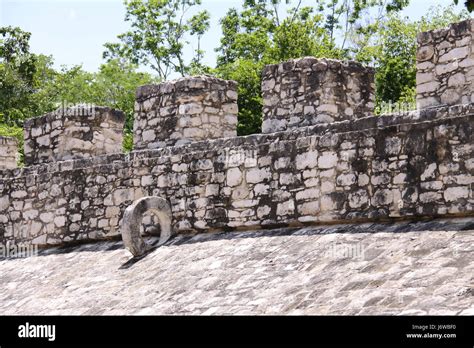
(393,269)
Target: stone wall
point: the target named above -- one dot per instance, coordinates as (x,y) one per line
(394,166)
(309,91)
(185,110)
(71,133)
(406,165)
(8,152)
(445,65)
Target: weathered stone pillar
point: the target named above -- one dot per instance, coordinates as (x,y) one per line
(185,110)
(308,91)
(77,132)
(8,152)
(445,66)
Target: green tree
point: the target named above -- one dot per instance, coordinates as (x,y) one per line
(17,71)
(348,18)
(114,86)
(395,52)
(368,31)
(22,76)
(468,3)
(30,86)
(72,85)
(199,24)
(159,32)
(246,34)
(260,35)
(301,35)
(247,73)
(43,98)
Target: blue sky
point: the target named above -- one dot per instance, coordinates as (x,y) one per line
(74,31)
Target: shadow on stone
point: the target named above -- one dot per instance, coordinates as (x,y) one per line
(132,220)
(152,247)
(403,226)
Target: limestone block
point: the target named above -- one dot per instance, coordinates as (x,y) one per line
(76,132)
(310,91)
(445,62)
(8,152)
(185,110)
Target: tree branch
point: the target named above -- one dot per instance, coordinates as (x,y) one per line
(275,10)
(296,11)
(347,24)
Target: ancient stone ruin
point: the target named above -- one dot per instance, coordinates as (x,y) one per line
(445,66)
(324,156)
(132,220)
(309,91)
(186,110)
(8,152)
(73,133)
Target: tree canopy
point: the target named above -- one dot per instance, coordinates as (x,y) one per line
(160,30)
(30,86)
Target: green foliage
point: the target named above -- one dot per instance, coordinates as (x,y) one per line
(159,33)
(113,85)
(441,17)
(30,86)
(299,37)
(44,97)
(351,19)
(370,31)
(468,3)
(199,24)
(395,52)
(396,64)
(127,140)
(247,73)
(258,36)
(63,88)
(17,71)
(14,44)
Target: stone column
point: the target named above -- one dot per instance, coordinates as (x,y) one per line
(445,66)
(8,152)
(309,91)
(185,110)
(77,132)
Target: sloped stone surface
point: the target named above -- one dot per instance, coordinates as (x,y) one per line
(403,268)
